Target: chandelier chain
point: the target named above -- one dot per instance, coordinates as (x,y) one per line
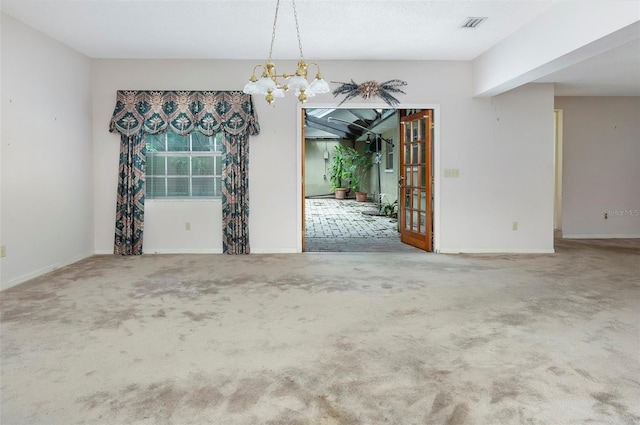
(273,31)
(295,16)
(271,84)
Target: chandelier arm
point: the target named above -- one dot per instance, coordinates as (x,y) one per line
(295,16)
(253,75)
(318,74)
(273,31)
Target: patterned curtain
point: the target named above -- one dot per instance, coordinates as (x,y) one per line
(235,194)
(130,201)
(209,112)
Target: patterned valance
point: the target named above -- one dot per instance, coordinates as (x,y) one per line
(207,112)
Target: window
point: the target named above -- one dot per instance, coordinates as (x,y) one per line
(183,166)
(389,156)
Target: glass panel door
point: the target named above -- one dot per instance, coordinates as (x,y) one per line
(416,180)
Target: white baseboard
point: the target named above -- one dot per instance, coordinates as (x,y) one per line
(183,251)
(277,251)
(167,251)
(496,251)
(600,236)
(201,251)
(43,270)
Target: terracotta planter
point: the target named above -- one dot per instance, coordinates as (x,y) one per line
(361,196)
(341,193)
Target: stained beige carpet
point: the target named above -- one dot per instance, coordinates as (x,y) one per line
(328,339)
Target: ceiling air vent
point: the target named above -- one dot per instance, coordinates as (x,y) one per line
(472,22)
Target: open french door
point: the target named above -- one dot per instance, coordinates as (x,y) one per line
(416,179)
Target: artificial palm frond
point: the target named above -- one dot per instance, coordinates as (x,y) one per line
(369,89)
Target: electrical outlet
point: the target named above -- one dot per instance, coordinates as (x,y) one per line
(3,251)
(187,226)
(514,226)
(606,215)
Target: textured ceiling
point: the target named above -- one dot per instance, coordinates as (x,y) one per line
(330,29)
(237,29)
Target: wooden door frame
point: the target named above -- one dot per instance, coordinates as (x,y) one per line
(557,159)
(301,176)
(366,105)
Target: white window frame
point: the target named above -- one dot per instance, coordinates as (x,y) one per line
(388,155)
(217,152)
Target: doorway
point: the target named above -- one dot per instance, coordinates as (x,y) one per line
(350,226)
(557,206)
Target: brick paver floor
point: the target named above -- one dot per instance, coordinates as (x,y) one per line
(340,226)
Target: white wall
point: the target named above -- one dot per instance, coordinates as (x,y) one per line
(183,226)
(388,178)
(47,210)
(601,168)
(506,166)
(316,168)
(506,176)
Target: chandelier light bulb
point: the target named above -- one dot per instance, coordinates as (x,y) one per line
(319,85)
(298,82)
(252,87)
(266,85)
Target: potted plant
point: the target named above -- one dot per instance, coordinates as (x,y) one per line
(339,172)
(358,165)
(388,209)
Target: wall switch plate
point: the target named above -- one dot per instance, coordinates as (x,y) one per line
(187,226)
(451,172)
(514,226)
(3,251)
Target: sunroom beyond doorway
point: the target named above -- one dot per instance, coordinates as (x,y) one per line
(370,134)
(333,225)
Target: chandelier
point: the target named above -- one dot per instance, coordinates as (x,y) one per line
(269,83)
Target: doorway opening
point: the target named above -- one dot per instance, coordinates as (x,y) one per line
(371,223)
(557,131)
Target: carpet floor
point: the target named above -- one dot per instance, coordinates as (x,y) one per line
(326,339)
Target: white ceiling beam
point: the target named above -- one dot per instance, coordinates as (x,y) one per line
(566,34)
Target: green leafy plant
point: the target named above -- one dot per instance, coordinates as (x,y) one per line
(357,164)
(389,209)
(339,170)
